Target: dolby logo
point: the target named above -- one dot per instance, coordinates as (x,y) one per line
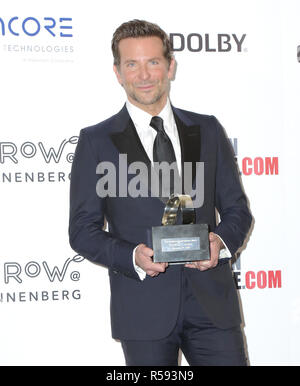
(195,42)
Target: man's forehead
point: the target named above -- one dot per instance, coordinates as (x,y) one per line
(141,43)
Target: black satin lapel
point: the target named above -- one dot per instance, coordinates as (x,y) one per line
(128,142)
(190,141)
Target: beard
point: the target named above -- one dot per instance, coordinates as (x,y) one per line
(146,101)
(148,98)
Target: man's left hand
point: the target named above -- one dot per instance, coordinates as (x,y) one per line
(215,244)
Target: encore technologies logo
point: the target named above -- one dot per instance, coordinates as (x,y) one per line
(30,35)
(18,285)
(31,26)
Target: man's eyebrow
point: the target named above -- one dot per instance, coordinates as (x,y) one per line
(155,58)
(134,60)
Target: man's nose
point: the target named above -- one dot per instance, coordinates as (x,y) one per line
(144,73)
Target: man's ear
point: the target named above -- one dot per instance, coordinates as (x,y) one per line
(116,71)
(172,69)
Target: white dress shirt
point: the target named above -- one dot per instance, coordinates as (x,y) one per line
(147,135)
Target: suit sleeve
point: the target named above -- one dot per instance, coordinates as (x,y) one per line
(231,202)
(87,213)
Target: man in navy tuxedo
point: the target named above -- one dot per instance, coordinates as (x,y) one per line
(159,308)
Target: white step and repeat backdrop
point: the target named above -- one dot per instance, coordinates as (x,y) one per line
(237,60)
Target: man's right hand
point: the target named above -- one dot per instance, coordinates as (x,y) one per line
(143,258)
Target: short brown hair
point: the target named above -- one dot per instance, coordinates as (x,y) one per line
(137,29)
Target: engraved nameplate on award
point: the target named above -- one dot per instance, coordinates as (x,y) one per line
(180,243)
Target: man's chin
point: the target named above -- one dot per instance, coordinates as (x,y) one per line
(147,101)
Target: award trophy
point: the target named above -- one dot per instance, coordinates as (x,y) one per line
(180,244)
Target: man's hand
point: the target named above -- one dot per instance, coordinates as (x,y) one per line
(143,258)
(215,244)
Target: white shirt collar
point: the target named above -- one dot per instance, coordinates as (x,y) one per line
(147,134)
(141,119)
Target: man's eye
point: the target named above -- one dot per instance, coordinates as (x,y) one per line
(131,64)
(154,62)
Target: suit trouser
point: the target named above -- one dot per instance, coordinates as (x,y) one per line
(202,343)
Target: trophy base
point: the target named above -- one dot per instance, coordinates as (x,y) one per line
(180,244)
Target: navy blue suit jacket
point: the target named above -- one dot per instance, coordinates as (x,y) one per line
(148,309)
